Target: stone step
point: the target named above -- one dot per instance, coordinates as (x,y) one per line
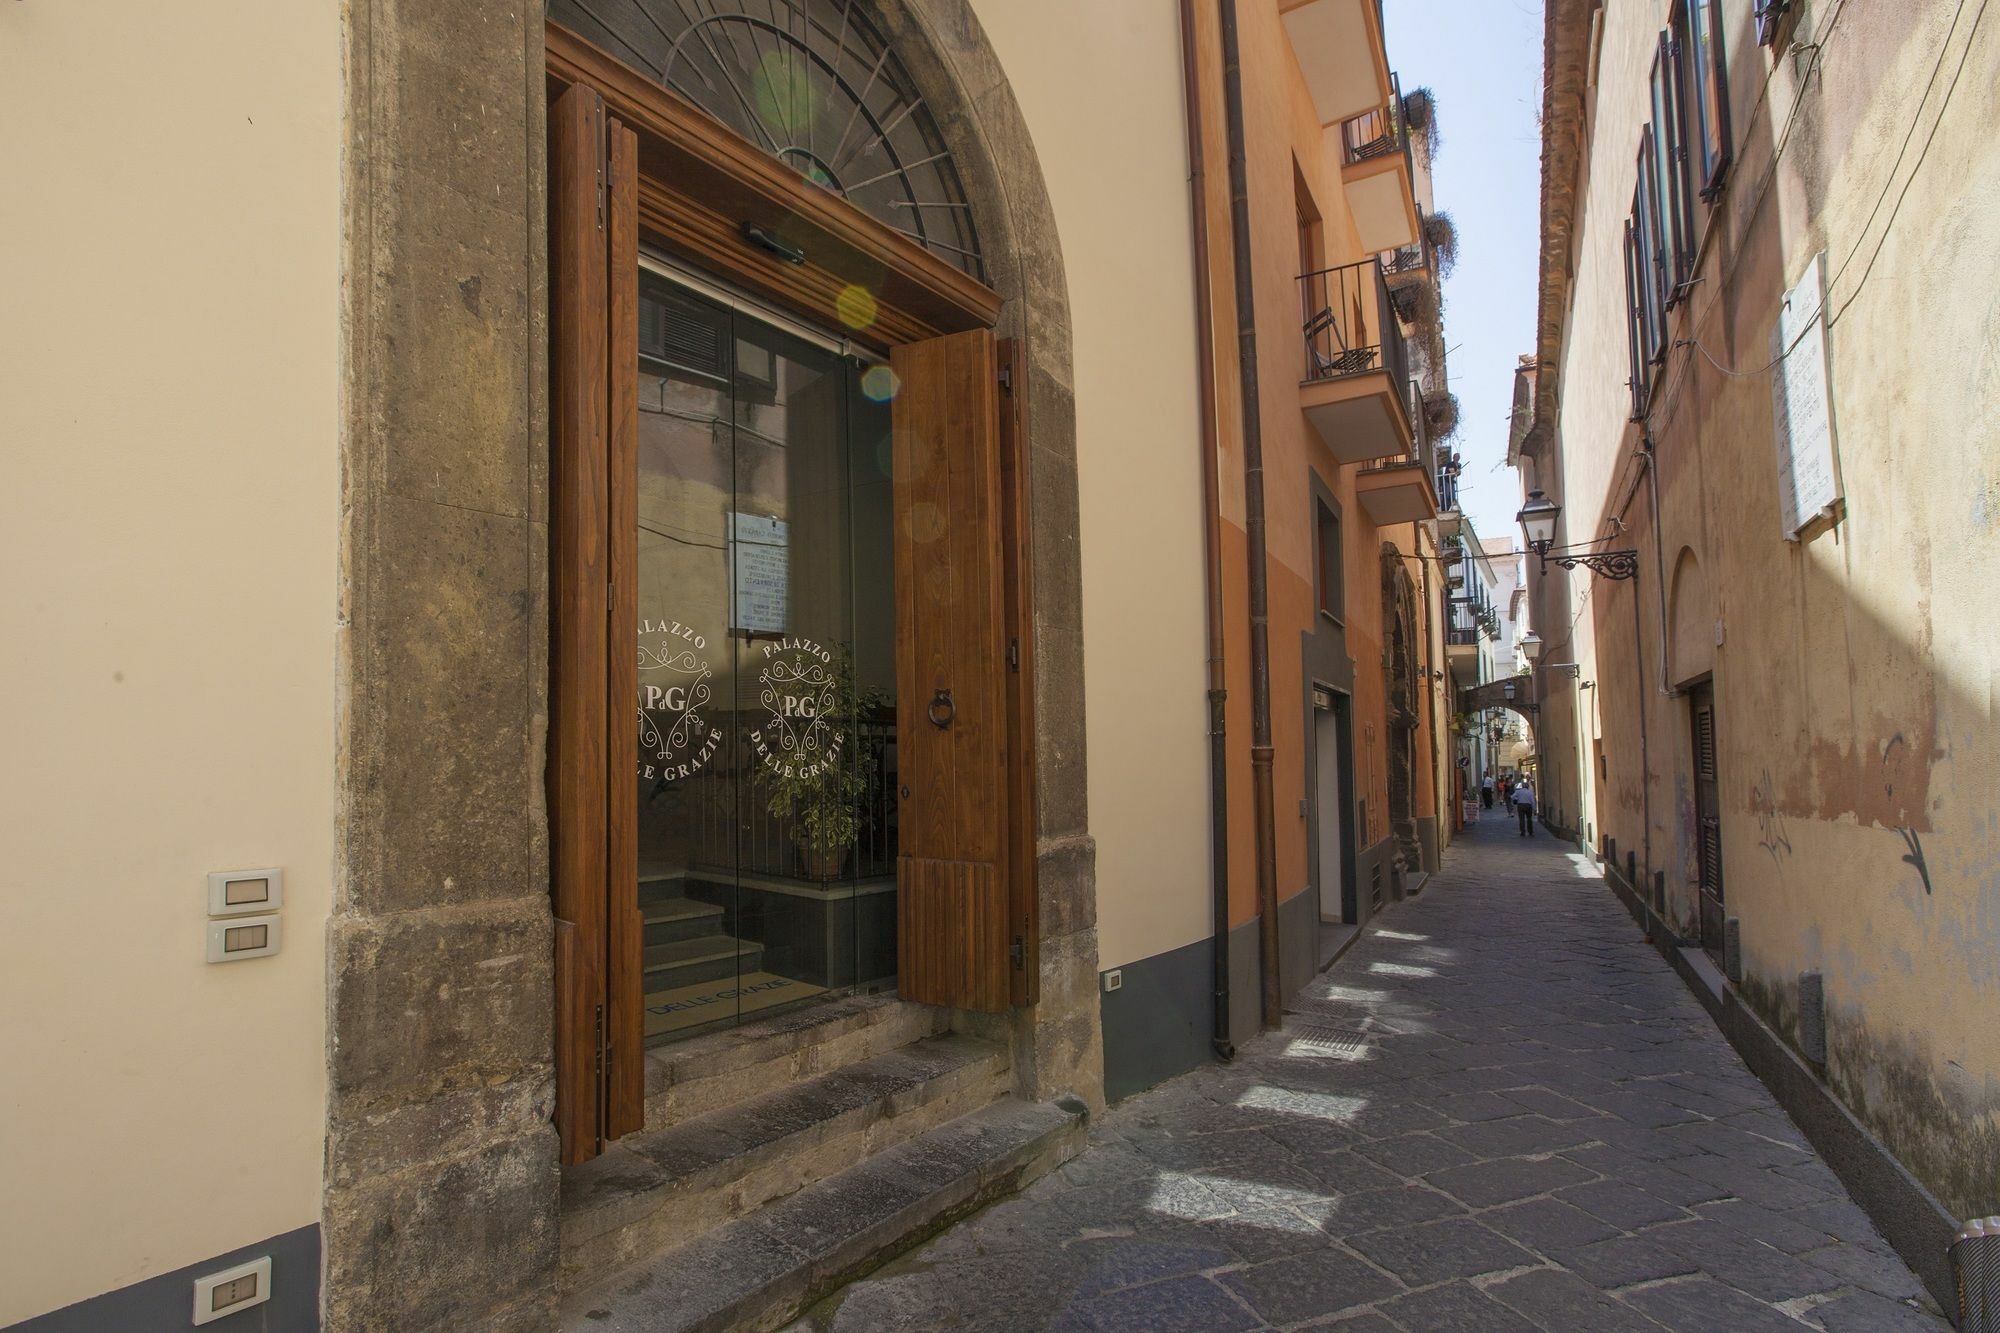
(695,1077)
(704,958)
(762,1271)
(664,1187)
(670,919)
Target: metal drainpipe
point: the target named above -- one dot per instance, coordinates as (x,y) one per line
(1645,759)
(1211,534)
(1253,523)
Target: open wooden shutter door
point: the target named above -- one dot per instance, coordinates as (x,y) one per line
(951,733)
(593,244)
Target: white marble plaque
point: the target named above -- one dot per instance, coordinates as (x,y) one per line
(1808,475)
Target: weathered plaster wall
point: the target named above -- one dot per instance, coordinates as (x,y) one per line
(1132,317)
(1853,674)
(167,523)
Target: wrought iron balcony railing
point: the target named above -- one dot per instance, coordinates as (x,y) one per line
(1414,258)
(1447,481)
(1376,133)
(1350,327)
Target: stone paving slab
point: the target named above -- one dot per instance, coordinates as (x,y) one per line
(1499,1111)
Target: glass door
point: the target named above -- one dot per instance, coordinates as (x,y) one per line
(767,840)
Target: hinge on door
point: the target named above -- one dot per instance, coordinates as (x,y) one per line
(1019,953)
(1007,377)
(1013,654)
(602,1074)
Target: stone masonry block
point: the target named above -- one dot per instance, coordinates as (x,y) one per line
(443,1244)
(428,1004)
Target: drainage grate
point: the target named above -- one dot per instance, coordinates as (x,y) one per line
(1339,1041)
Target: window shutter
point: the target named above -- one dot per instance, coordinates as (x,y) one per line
(593,239)
(953,911)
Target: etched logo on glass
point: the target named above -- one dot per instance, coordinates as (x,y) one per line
(675,690)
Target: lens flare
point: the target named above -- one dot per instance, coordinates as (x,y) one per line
(879,384)
(856,306)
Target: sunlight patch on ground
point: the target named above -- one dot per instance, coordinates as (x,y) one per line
(1173,1190)
(1312,1105)
(1400,935)
(1582,865)
(1402,970)
(1352,994)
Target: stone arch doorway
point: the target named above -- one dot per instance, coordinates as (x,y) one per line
(441,1189)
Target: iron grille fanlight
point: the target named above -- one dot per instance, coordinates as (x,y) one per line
(815,84)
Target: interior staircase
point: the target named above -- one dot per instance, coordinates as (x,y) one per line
(783,1158)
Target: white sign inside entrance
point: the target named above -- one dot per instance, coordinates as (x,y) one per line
(759,543)
(675,739)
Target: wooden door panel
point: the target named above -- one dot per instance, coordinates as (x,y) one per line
(953,912)
(593,238)
(625,978)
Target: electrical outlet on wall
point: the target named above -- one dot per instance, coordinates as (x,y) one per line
(231,1290)
(1114,979)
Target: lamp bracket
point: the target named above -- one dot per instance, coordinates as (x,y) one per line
(1616,565)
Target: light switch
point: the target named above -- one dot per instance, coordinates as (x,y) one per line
(231,1290)
(234,938)
(238,892)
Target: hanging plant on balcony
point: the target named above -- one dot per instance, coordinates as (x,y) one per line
(1442,233)
(1420,114)
(1441,411)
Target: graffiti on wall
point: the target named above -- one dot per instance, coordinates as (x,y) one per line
(1774,834)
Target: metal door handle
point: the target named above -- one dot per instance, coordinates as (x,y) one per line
(941,701)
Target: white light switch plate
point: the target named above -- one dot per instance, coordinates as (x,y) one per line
(235,938)
(241,892)
(236,1288)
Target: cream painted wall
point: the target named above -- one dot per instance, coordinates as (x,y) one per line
(168,499)
(1853,674)
(1103,105)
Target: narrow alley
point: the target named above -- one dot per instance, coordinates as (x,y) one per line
(1500,1110)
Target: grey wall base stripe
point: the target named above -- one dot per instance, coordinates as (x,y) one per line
(1906,1213)
(1158,1022)
(165,1304)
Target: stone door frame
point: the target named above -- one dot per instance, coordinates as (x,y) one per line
(441,1186)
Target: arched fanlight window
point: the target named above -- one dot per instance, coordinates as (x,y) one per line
(813,83)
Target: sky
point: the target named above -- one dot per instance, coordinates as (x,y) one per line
(1483,61)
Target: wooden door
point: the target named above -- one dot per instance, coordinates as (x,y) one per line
(592,793)
(958,941)
(1707,816)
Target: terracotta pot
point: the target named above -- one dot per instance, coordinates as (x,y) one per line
(821,863)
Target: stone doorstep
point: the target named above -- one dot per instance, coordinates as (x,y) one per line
(761,1272)
(690,1078)
(661,1188)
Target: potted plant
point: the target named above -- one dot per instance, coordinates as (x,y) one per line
(822,798)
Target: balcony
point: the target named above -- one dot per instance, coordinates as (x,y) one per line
(1357,371)
(1402,490)
(1415,260)
(1449,519)
(1376,170)
(1340,52)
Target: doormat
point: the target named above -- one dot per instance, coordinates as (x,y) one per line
(725,998)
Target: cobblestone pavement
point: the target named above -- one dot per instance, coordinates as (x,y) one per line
(1500,1111)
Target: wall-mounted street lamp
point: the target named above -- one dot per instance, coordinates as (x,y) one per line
(1530,645)
(1538,523)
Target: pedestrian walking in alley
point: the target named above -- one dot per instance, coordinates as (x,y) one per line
(1486,791)
(1524,807)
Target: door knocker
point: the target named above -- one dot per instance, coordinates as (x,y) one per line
(942,710)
